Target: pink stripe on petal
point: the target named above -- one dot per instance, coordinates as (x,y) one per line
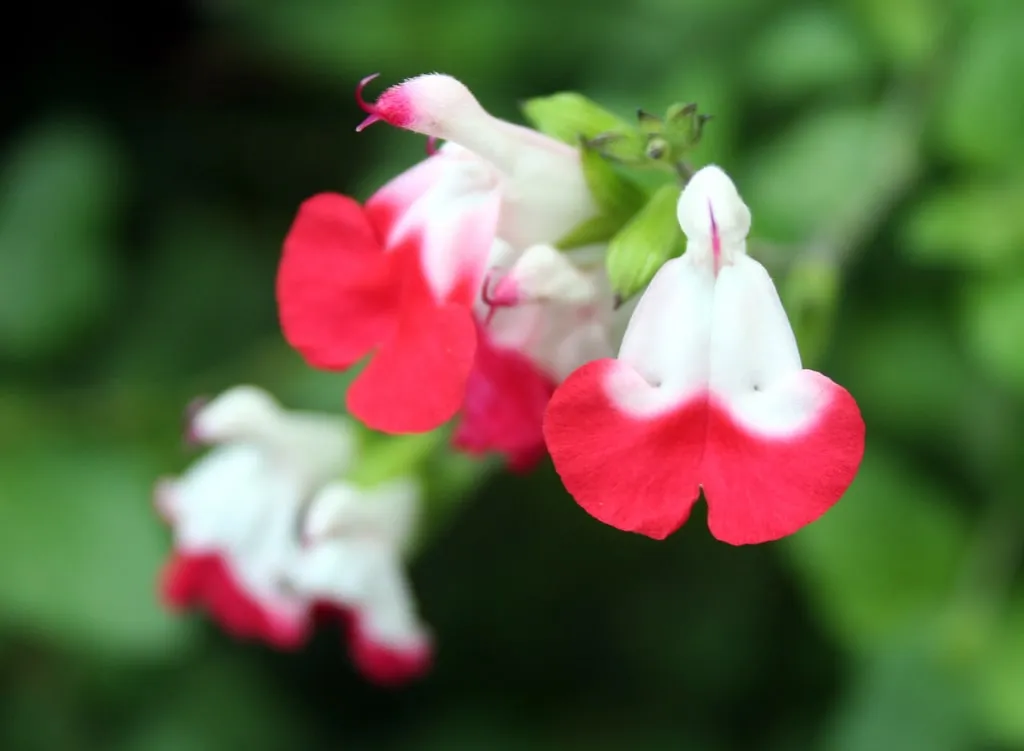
(643,474)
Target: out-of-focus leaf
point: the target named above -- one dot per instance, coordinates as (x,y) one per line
(981,109)
(810,293)
(81,550)
(209,276)
(330,40)
(221,703)
(1000,691)
(974,226)
(904,700)
(806,50)
(991,311)
(885,557)
(905,372)
(908,32)
(59,197)
(830,170)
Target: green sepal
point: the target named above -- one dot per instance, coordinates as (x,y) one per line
(617,199)
(649,239)
(392,457)
(568,116)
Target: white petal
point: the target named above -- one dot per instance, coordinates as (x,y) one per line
(454,224)
(220,498)
(755,362)
(240,412)
(366,576)
(710,204)
(387,512)
(544,192)
(668,339)
(544,274)
(312,447)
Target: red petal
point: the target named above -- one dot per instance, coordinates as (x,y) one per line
(416,381)
(503,411)
(336,294)
(206,580)
(386,665)
(644,474)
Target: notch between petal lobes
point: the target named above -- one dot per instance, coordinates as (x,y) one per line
(644,473)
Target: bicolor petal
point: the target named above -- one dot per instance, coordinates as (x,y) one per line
(230,516)
(352,562)
(707,393)
(544,192)
(503,411)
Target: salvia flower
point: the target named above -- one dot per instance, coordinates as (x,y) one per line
(543,316)
(267,540)
(707,393)
(401,277)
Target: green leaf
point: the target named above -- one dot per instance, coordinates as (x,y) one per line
(885,557)
(972,226)
(980,111)
(81,550)
(830,171)
(59,197)
(807,50)
(907,374)
(569,116)
(904,700)
(1000,677)
(908,32)
(221,702)
(810,293)
(990,310)
(650,238)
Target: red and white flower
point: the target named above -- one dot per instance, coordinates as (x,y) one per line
(541,317)
(399,277)
(354,540)
(238,516)
(707,393)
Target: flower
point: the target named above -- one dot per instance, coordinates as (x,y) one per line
(707,392)
(544,315)
(230,512)
(354,540)
(268,541)
(400,276)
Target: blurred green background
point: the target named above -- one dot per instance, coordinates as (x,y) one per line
(152,158)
